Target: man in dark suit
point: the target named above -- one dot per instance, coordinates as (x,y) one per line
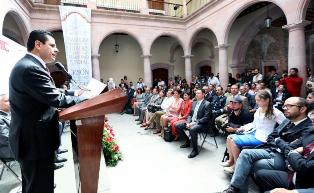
(198,121)
(34,125)
(300,163)
(272,154)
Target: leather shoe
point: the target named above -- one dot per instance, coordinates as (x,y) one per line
(59,159)
(58,166)
(62,151)
(193,154)
(186,145)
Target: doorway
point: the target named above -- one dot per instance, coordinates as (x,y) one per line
(205,71)
(160,73)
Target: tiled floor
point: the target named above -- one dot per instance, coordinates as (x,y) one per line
(150,165)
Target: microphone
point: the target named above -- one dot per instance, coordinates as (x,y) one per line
(62,69)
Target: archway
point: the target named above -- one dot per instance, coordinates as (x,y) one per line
(309,36)
(255,45)
(120,55)
(204,53)
(14,28)
(168,51)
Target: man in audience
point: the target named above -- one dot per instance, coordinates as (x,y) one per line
(271,155)
(153,98)
(209,92)
(218,103)
(238,116)
(251,99)
(222,119)
(198,121)
(300,164)
(5,119)
(213,80)
(293,82)
(257,76)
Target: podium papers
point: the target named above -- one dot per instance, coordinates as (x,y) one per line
(94,88)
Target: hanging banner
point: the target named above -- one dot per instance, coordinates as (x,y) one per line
(76,26)
(10,53)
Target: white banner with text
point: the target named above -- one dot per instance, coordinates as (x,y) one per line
(76,26)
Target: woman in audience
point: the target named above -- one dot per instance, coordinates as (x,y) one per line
(310,97)
(153,108)
(173,111)
(139,99)
(183,115)
(255,133)
(155,119)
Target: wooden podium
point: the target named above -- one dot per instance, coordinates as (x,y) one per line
(87,122)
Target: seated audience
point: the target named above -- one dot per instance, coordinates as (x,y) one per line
(173,111)
(183,115)
(280,96)
(255,133)
(300,164)
(198,121)
(153,107)
(272,155)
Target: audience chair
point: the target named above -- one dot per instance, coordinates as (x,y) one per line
(8,163)
(203,136)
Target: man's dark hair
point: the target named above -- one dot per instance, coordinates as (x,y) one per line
(40,35)
(295,69)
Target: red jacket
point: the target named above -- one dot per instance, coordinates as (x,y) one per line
(293,85)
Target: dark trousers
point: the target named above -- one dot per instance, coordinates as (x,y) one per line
(271,179)
(37,175)
(194,130)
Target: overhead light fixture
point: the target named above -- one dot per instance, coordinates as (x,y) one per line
(116,46)
(267,20)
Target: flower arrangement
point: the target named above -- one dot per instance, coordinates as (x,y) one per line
(111,149)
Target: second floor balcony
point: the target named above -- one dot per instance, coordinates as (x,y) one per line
(172,8)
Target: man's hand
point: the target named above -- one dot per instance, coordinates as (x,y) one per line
(80,92)
(281,190)
(299,150)
(231,129)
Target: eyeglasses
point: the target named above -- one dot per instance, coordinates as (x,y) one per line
(289,106)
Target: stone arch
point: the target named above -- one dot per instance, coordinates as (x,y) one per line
(302,9)
(233,17)
(246,37)
(195,33)
(133,35)
(203,63)
(208,43)
(23,28)
(172,51)
(176,37)
(159,65)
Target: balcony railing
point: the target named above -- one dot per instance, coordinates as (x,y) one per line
(124,5)
(194,5)
(155,7)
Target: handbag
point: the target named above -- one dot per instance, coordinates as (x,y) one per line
(168,135)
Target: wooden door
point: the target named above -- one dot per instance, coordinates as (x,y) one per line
(205,70)
(160,73)
(156,4)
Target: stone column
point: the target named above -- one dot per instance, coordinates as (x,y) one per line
(147,70)
(95,66)
(188,68)
(296,49)
(144,7)
(171,70)
(223,65)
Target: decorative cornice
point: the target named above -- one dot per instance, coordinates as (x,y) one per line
(222,46)
(95,55)
(298,25)
(146,56)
